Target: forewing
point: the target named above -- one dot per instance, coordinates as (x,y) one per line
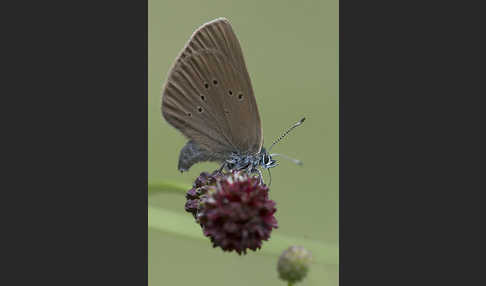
(208,94)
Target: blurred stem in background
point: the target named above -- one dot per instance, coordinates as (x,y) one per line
(183,225)
(167,187)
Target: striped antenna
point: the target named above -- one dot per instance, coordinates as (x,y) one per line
(298,123)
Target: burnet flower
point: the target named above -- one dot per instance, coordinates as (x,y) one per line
(233,210)
(201,185)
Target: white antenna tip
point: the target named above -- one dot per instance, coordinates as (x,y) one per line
(300,122)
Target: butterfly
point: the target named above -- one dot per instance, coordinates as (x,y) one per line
(209,98)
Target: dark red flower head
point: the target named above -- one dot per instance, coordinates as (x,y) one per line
(199,189)
(233,210)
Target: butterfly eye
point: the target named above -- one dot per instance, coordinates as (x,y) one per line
(240,97)
(265,159)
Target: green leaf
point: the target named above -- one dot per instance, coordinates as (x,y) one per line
(184,225)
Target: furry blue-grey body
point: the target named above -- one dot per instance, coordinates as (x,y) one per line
(250,162)
(192,153)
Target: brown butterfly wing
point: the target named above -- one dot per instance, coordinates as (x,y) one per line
(208,95)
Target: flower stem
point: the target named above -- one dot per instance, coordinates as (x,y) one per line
(183,225)
(167,187)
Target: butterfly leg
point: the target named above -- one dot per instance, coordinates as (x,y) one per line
(221,168)
(260,176)
(250,170)
(269,175)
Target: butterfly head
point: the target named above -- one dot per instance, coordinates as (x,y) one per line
(266,160)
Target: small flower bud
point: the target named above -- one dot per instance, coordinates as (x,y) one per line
(293,264)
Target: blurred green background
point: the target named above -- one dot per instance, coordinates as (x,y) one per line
(291,50)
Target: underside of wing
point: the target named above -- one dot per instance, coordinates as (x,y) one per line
(191,154)
(208,94)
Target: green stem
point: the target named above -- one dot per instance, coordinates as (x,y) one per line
(291,284)
(184,225)
(167,187)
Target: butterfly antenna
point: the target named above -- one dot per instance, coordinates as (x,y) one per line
(298,123)
(295,161)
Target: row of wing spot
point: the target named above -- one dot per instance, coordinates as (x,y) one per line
(203,98)
(230,92)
